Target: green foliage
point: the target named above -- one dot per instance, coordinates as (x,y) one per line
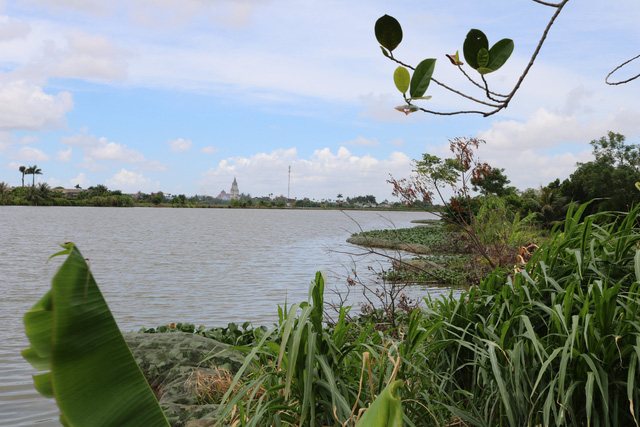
(310,373)
(478,55)
(421,78)
(493,181)
(402,79)
(556,344)
(386,410)
(92,373)
(610,178)
(388,33)
(232,334)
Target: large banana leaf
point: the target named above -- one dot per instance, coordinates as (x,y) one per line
(386,410)
(92,373)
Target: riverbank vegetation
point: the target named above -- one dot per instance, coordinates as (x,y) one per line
(556,343)
(500,225)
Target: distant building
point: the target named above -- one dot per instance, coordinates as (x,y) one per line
(70,191)
(235,193)
(224,195)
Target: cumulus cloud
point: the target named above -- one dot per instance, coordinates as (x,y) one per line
(323,175)
(180,145)
(99,149)
(64,155)
(547,129)
(209,149)
(25,106)
(31,154)
(130,182)
(80,180)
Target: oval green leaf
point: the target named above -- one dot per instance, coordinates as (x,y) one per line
(499,53)
(484,70)
(402,78)
(388,32)
(474,41)
(483,58)
(422,77)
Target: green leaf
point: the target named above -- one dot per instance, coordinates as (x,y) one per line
(499,53)
(42,383)
(402,79)
(93,377)
(386,410)
(483,58)
(484,70)
(388,32)
(422,77)
(474,41)
(384,52)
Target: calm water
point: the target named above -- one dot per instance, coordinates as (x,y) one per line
(157,266)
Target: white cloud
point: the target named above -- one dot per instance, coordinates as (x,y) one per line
(53,182)
(97,149)
(180,145)
(80,180)
(130,182)
(89,56)
(94,7)
(323,175)
(11,28)
(209,149)
(25,106)
(364,142)
(64,156)
(547,129)
(30,154)
(29,139)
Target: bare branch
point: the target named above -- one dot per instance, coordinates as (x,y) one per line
(606,80)
(548,4)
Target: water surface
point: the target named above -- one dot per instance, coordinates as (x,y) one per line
(155,266)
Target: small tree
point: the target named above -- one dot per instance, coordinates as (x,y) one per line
(433,175)
(23,170)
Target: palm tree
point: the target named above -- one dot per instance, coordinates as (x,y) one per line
(44,189)
(33,170)
(23,169)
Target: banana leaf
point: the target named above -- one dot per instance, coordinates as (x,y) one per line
(386,410)
(91,371)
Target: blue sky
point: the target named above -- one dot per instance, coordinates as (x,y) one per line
(184,96)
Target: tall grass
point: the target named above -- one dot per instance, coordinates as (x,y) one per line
(555,344)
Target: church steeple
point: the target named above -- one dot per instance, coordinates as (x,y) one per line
(235,193)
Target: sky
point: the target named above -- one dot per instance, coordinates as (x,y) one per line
(183,96)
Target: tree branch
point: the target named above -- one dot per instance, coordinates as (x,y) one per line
(606,80)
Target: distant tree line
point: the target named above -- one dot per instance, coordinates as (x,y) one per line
(43,195)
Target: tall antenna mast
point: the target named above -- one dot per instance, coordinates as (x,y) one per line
(289,184)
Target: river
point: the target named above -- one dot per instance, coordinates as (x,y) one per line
(156,266)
